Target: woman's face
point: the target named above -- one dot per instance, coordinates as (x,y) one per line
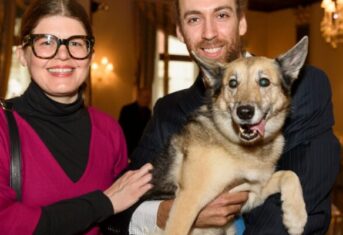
(61,76)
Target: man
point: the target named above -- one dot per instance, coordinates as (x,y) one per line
(213,29)
(134,117)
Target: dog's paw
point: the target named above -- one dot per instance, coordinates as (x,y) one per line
(295,218)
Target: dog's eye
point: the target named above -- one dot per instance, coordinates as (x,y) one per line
(264,82)
(233,83)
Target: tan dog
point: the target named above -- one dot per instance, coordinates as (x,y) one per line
(236,137)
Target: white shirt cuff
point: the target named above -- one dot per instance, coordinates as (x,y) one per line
(143,220)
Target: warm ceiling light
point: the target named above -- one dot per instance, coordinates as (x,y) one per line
(332,23)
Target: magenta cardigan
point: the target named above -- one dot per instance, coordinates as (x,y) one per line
(45,182)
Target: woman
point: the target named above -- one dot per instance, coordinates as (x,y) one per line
(70,154)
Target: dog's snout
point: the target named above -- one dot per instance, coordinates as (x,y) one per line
(245,112)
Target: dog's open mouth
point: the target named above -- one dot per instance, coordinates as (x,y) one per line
(252,132)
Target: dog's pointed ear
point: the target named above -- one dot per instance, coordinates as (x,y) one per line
(247,54)
(293,60)
(212,70)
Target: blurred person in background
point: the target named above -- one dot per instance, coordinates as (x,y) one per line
(134,117)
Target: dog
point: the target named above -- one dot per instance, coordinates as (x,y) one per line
(235,137)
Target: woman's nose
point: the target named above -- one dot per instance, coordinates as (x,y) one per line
(62,53)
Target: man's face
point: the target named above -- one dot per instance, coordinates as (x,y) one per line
(211,28)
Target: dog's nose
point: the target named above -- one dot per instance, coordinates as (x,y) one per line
(245,112)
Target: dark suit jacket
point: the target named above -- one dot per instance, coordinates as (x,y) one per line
(311,150)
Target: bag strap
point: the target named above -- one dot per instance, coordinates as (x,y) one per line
(15,168)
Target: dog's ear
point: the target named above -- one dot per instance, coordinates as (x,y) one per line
(247,54)
(293,60)
(213,70)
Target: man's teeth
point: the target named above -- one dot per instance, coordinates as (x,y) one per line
(212,50)
(60,70)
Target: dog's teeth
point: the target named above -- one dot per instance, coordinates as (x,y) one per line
(247,134)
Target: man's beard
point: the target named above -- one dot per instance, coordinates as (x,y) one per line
(233,48)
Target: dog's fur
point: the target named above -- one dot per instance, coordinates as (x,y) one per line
(236,137)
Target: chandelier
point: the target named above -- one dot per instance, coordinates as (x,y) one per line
(332,23)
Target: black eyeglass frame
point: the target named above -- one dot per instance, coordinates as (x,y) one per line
(30,38)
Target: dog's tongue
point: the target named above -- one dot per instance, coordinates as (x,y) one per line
(259,127)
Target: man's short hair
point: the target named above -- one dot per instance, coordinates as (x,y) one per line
(241,6)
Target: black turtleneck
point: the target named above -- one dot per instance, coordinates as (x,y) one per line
(65,129)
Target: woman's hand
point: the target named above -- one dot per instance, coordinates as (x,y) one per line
(127,190)
(217,213)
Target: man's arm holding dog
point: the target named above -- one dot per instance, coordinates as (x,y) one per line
(219,212)
(311,151)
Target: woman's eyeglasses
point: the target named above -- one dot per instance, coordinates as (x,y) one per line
(45,46)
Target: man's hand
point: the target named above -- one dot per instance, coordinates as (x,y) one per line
(221,210)
(215,214)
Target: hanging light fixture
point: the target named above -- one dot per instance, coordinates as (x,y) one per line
(332,23)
